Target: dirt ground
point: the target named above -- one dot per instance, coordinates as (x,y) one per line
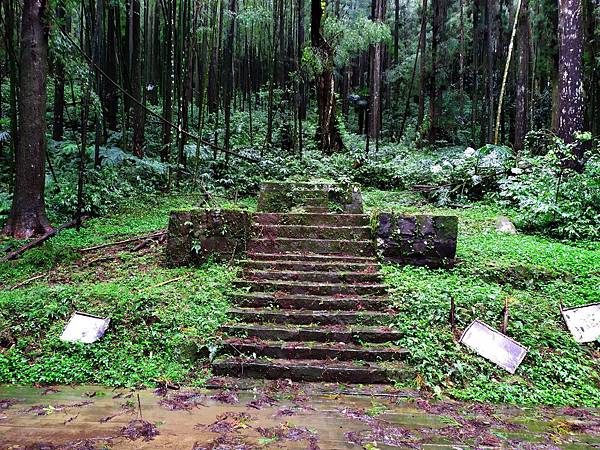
(277,415)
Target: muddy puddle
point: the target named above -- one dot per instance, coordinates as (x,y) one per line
(277,415)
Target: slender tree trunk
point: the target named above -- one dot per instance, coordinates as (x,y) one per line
(461,62)
(522,90)
(168,8)
(58,121)
(422,67)
(136,79)
(228,72)
(570,78)
(435,88)
(28,216)
(377,11)
(110,99)
(328,133)
(10,47)
(489,42)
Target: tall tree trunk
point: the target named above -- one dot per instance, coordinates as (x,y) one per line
(435,89)
(570,78)
(377,14)
(167,91)
(328,134)
(136,79)
(58,121)
(110,99)
(28,215)
(489,49)
(461,62)
(522,91)
(10,47)
(422,67)
(228,72)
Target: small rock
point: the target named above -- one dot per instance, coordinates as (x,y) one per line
(504,225)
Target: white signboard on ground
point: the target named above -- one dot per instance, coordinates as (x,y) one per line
(583,322)
(84,328)
(493,345)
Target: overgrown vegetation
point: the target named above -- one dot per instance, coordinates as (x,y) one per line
(536,275)
(163,321)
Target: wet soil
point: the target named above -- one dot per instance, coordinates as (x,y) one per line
(277,415)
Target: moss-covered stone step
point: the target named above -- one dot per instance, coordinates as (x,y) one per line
(308,317)
(311,219)
(311,266)
(311,258)
(332,333)
(314,302)
(314,370)
(321,246)
(310,350)
(311,232)
(312,276)
(309,288)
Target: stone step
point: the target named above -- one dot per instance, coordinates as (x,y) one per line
(320,246)
(310,350)
(311,232)
(314,302)
(311,258)
(313,370)
(316,277)
(323,218)
(308,288)
(332,333)
(310,266)
(307,317)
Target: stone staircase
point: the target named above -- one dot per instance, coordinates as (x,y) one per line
(311,304)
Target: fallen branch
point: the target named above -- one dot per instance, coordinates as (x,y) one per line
(164,283)
(39,241)
(141,245)
(29,280)
(126,241)
(8,248)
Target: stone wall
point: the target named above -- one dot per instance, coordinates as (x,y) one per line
(416,240)
(198,234)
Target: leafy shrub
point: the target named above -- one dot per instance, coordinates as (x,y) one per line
(552,199)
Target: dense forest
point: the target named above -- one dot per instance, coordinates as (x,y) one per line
(115,116)
(106,100)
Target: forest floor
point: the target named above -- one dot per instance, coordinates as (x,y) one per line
(164,321)
(278,415)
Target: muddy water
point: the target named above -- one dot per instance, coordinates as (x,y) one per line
(276,415)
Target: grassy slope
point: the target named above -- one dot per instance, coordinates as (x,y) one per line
(157,331)
(535,274)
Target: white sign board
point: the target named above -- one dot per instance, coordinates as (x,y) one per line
(84,328)
(493,345)
(583,322)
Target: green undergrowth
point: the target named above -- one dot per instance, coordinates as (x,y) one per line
(163,320)
(536,275)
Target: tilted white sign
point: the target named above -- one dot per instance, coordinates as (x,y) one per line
(493,345)
(583,322)
(84,328)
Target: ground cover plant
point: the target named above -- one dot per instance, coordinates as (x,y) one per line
(535,274)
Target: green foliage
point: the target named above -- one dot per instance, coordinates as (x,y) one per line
(536,275)
(158,331)
(155,333)
(552,199)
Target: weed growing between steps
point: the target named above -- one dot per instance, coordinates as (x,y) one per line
(535,274)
